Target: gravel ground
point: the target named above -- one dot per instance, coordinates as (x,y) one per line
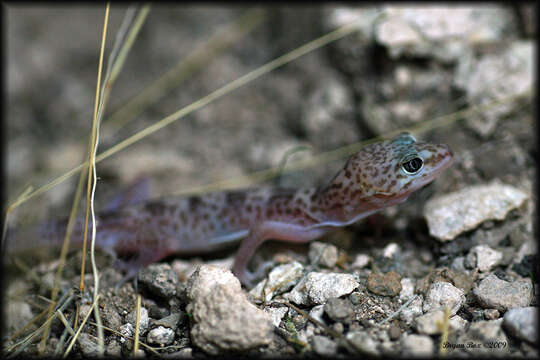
(451,270)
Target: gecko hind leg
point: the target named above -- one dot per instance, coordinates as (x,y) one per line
(130,268)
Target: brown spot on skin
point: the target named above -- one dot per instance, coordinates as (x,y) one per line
(269,212)
(386,169)
(211,226)
(288,211)
(194,202)
(183,217)
(393,183)
(155,208)
(235,198)
(348,174)
(248,208)
(205,216)
(313,197)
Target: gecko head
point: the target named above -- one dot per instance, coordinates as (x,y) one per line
(402,165)
(387,172)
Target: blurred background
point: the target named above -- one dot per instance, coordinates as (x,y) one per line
(403,66)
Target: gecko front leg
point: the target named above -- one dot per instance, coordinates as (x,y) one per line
(259,234)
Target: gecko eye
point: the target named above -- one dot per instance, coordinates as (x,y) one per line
(412,166)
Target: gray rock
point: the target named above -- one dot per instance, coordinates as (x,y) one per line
(339,309)
(443,294)
(417,345)
(279,280)
(160,336)
(143,320)
(223,319)
(363,342)
(172,321)
(477,76)
(323,254)
(127,330)
(522,323)
(113,349)
(159,279)
(88,344)
(317,288)
(452,214)
(18,314)
(495,293)
(484,258)
(323,346)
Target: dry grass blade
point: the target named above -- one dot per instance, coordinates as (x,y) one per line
(72,342)
(445,330)
(137,325)
(21,345)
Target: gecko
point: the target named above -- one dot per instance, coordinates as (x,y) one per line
(380,175)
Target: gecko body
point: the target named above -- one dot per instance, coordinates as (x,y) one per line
(379,175)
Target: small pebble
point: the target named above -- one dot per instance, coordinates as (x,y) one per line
(443,294)
(363,342)
(143,319)
(388,284)
(160,336)
(159,279)
(279,280)
(417,345)
(484,258)
(360,261)
(491,314)
(323,346)
(316,288)
(323,254)
(339,309)
(522,323)
(394,332)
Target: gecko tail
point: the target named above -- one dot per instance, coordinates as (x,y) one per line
(33,237)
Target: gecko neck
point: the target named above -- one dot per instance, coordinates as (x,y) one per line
(340,206)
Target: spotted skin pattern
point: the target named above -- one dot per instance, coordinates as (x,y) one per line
(379,175)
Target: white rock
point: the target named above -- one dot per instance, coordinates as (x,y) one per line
(160,336)
(223,319)
(360,261)
(277,314)
(317,288)
(432,323)
(443,294)
(143,319)
(452,214)
(407,289)
(417,345)
(390,250)
(484,258)
(280,279)
(323,254)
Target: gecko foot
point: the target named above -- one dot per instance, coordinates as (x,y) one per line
(249,279)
